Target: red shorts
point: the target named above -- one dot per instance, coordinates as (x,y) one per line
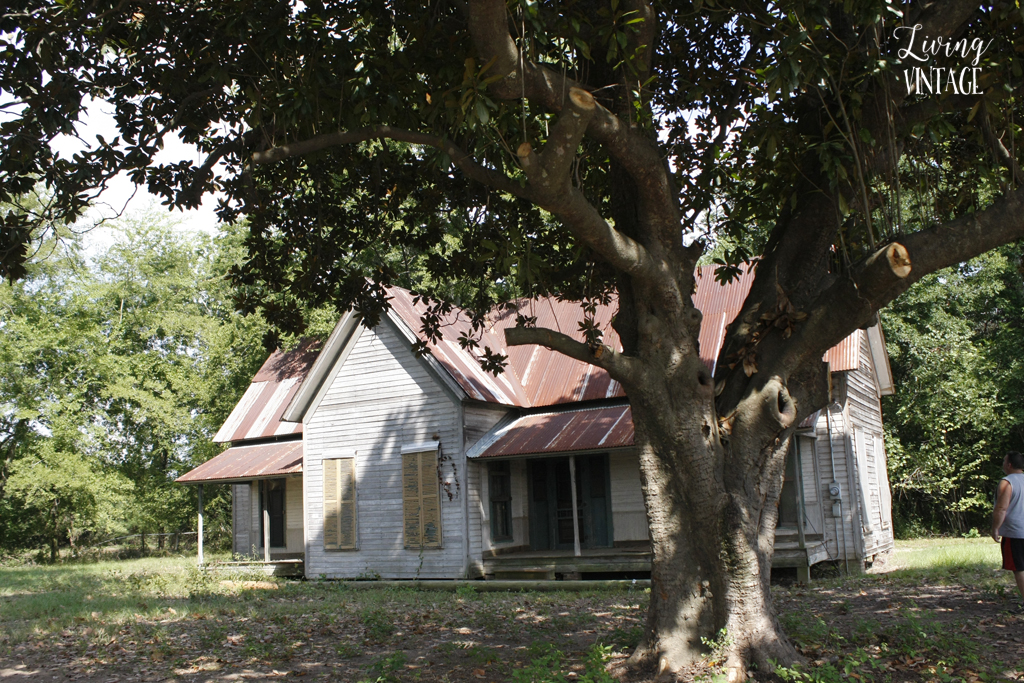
(1013,554)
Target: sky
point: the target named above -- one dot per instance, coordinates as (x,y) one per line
(122,194)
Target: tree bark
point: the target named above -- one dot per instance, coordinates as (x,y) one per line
(711,489)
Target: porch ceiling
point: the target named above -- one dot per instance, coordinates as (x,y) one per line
(260,461)
(559,432)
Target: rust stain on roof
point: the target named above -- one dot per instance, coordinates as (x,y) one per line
(258,414)
(252,461)
(563,431)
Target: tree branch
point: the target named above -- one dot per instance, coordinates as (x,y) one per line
(850,302)
(461,159)
(488,25)
(999,150)
(579,215)
(620,367)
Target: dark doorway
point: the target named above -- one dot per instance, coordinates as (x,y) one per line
(272,500)
(550,495)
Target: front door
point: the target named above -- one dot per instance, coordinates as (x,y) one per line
(272,499)
(550,496)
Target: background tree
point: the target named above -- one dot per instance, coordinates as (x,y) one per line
(571,148)
(954,343)
(118,371)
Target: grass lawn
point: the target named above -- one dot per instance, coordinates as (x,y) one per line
(935,612)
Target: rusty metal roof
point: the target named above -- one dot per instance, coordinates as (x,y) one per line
(247,462)
(258,413)
(720,303)
(537,376)
(590,429)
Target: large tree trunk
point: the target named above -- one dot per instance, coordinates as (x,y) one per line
(711,488)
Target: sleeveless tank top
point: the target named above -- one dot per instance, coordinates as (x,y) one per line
(1013,525)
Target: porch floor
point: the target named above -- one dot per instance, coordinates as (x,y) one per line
(276,566)
(549,564)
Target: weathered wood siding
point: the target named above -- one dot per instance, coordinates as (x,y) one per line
(241,519)
(629,516)
(865,414)
(840,539)
(382,398)
(520,505)
(810,477)
(858,456)
(293,515)
(476,473)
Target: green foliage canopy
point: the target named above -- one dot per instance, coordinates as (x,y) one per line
(121,369)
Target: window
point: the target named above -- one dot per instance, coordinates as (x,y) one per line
(340,504)
(500,494)
(421,500)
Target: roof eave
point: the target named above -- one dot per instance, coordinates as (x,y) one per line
(880,359)
(300,403)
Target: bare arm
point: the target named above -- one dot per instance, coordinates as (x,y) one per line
(1002,505)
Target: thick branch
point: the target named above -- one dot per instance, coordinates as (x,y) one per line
(488,24)
(463,161)
(549,170)
(874,282)
(620,367)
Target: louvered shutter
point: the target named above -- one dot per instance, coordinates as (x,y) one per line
(421,502)
(339,504)
(431,502)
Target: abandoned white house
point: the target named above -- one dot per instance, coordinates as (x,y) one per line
(362,459)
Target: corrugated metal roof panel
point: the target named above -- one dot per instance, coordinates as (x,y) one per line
(564,431)
(537,376)
(253,461)
(258,413)
(720,304)
(846,354)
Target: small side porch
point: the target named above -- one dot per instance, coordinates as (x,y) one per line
(267,504)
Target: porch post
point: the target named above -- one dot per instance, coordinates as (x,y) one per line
(200,530)
(266,522)
(575,512)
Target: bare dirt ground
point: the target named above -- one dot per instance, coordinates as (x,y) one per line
(871,629)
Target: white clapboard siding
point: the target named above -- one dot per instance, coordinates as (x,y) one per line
(629,516)
(810,477)
(840,537)
(241,518)
(479,420)
(382,399)
(476,473)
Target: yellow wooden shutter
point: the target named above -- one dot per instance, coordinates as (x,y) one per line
(339,503)
(411,498)
(331,504)
(347,503)
(421,501)
(430,505)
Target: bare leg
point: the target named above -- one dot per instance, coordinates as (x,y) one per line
(1019,578)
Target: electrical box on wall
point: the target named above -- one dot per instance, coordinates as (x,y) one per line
(836,493)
